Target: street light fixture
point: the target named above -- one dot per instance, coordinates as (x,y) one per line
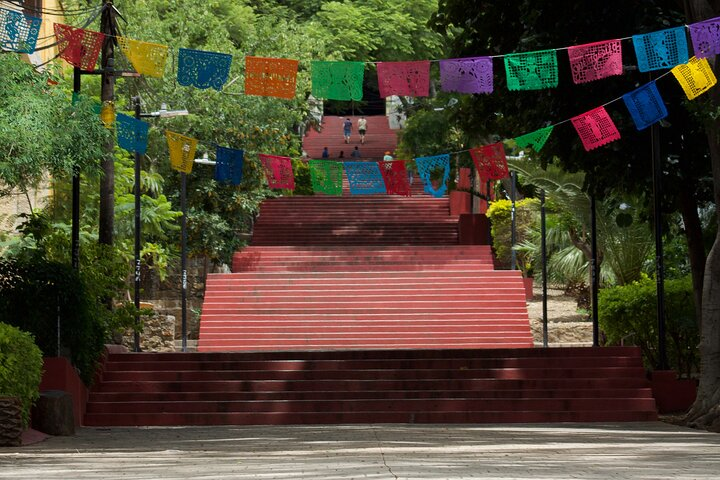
(162,113)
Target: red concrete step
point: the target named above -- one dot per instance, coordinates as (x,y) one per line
(373,386)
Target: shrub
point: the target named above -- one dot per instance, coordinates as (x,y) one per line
(628,313)
(36,295)
(303,182)
(20,368)
(526,216)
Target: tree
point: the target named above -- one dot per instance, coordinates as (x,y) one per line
(31,144)
(527,25)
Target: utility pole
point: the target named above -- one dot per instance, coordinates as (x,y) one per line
(108,26)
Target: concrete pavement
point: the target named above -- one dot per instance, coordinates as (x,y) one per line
(559,451)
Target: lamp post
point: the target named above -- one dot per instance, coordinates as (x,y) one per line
(183,247)
(162,113)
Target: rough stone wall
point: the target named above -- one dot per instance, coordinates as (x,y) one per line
(158,334)
(166,296)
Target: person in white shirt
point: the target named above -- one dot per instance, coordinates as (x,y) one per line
(387,157)
(362,128)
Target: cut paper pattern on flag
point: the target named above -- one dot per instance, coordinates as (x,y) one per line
(78,47)
(467,75)
(364,178)
(18,32)
(645,105)
(395,176)
(182,151)
(594,61)
(229,165)
(146,58)
(278,171)
(326,176)
(338,80)
(464,182)
(132,134)
(270,77)
(706,37)
(535,140)
(531,71)
(595,128)
(660,50)
(490,161)
(203,69)
(408,79)
(434,172)
(695,77)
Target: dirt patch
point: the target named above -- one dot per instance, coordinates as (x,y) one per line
(566,326)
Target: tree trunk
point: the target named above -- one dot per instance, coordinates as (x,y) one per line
(705,413)
(107,94)
(696,246)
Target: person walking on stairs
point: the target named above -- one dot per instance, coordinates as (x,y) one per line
(362,128)
(347,128)
(325,153)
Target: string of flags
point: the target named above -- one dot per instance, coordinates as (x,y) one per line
(276,77)
(340,80)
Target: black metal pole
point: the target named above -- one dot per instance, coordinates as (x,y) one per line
(543,253)
(595,271)
(183,256)
(513,227)
(659,263)
(138,228)
(75,231)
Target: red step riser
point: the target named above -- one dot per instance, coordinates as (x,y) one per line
(363,345)
(437,406)
(240,291)
(364,417)
(359,395)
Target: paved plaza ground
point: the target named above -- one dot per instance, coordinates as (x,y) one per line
(561,451)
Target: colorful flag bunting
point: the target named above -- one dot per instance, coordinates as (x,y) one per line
(532,70)
(660,50)
(146,58)
(409,79)
(182,151)
(645,105)
(695,77)
(338,80)
(78,47)
(18,31)
(229,165)
(535,140)
(467,75)
(595,128)
(594,61)
(202,69)
(326,176)
(270,77)
(278,171)
(428,170)
(490,161)
(364,178)
(395,176)
(706,37)
(132,134)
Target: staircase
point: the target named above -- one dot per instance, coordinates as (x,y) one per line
(379,139)
(373,386)
(366,309)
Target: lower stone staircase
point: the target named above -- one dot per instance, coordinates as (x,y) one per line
(373,386)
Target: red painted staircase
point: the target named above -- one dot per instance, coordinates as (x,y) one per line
(379,139)
(373,386)
(366,310)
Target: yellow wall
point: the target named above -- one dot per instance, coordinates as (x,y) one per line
(46,36)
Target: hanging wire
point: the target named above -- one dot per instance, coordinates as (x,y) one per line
(53,11)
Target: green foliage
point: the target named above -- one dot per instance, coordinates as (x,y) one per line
(38,289)
(526,217)
(303,181)
(628,314)
(31,144)
(20,368)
